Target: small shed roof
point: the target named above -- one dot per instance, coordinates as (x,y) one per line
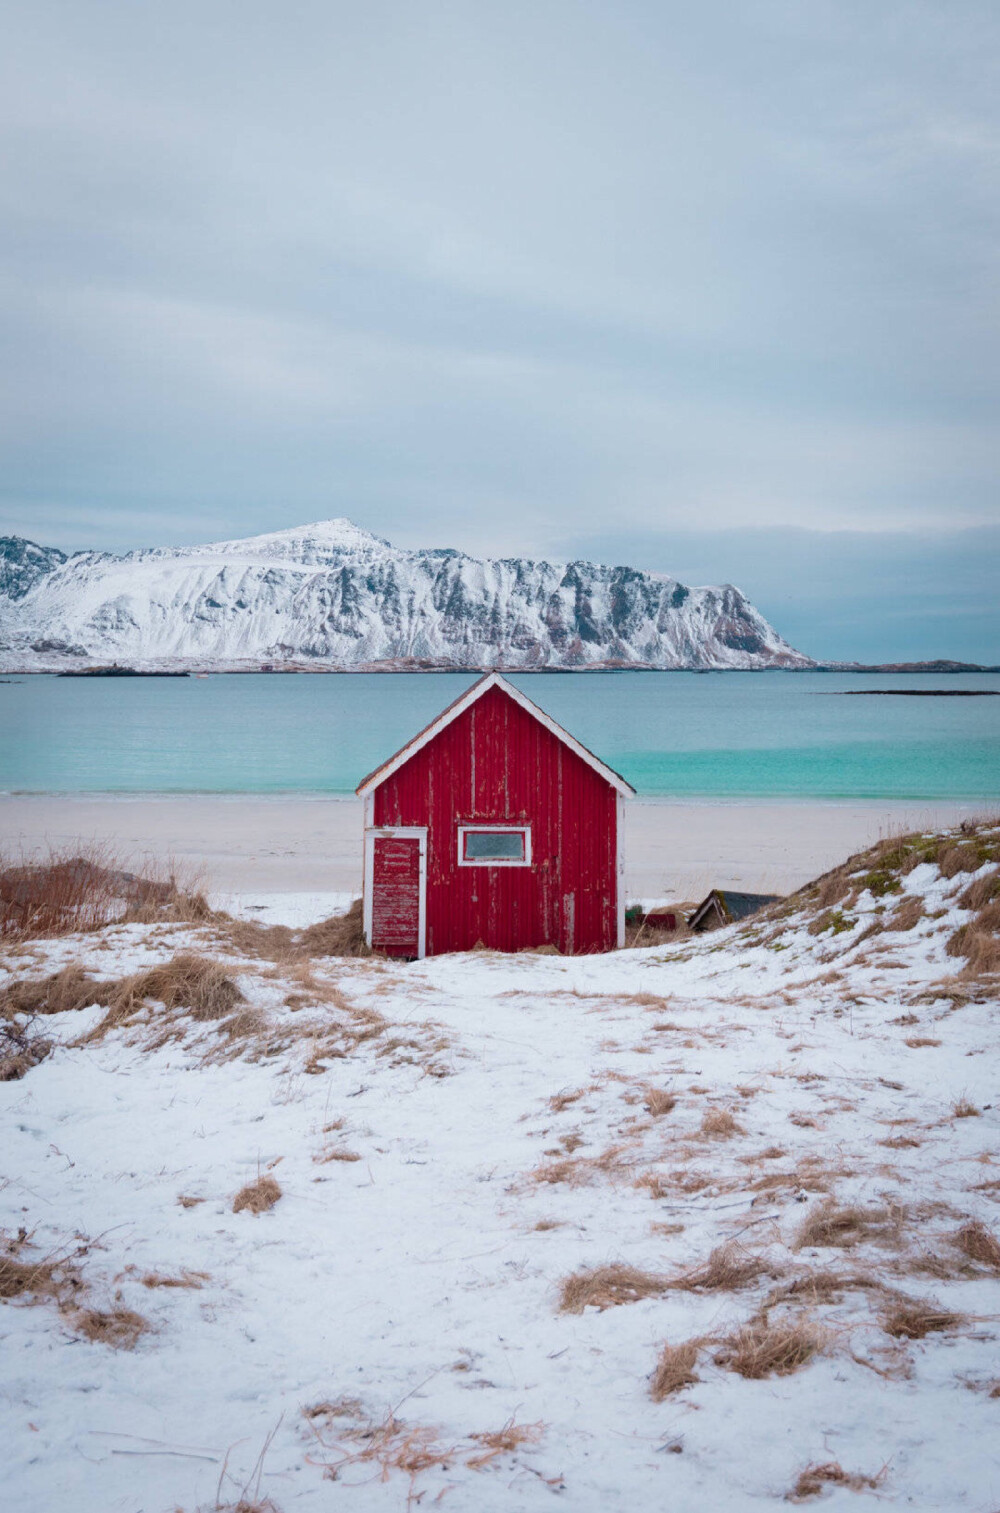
(730,906)
(464,702)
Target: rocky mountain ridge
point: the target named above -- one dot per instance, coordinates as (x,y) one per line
(332,595)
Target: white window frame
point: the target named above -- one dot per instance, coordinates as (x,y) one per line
(485,861)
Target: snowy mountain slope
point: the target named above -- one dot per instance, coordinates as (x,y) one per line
(334,594)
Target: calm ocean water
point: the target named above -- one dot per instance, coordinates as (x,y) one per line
(677,734)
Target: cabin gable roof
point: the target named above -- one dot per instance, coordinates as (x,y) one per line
(465,701)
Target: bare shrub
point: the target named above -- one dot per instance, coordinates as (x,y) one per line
(20,1049)
(913,1318)
(257,1196)
(719,1124)
(979,1244)
(760,1349)
(66,893)
(120,1328)
(814,1479)
(674,1370)
(608,1287)
(658,1102)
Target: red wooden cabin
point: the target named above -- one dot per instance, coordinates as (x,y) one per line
(493,825)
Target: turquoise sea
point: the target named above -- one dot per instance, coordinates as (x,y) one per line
(676,734)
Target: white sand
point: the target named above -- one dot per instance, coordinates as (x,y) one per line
(259,845)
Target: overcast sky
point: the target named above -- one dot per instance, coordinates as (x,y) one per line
(712,289)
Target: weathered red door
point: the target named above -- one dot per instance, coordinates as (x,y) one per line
(397,903)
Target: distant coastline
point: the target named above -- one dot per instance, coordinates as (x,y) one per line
(189,668)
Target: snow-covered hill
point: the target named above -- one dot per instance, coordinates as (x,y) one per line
(709,1225)
(333,594)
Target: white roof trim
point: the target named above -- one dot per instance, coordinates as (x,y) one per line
(491,680)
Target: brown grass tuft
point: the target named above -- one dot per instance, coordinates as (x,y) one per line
(674,1370)
(560,1101)
(658,1102)
(120,1328)
(719,1124)
(979,1244)
(814,1479)
(18,1278)
(505,1441)
(257,1196)
(831,1225)
(979,942)
(64,991)
(192,1279)
(963,858)
(608,1287)
(981,892)
(341,935)
(913,1318)
(907,915)
(821,1287)
(966,1109)
(760,1349)
(727,1269)
(200,986)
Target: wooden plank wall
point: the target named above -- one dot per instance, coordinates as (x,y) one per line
(497,764)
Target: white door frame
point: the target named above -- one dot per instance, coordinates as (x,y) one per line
(396,832)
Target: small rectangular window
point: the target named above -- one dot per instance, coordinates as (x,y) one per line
(494,846)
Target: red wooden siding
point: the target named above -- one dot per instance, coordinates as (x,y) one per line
(496,764)
(396,895)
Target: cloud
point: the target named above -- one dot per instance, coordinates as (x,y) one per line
(497,276)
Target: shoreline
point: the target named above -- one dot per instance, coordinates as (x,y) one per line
(676,849)
(985,802)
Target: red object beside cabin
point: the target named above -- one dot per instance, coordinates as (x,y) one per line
(493,826)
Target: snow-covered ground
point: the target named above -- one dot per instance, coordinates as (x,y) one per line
(455,1138)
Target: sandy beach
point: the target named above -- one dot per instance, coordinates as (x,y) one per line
(262,845)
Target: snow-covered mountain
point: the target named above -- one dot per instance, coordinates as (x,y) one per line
(334,595)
